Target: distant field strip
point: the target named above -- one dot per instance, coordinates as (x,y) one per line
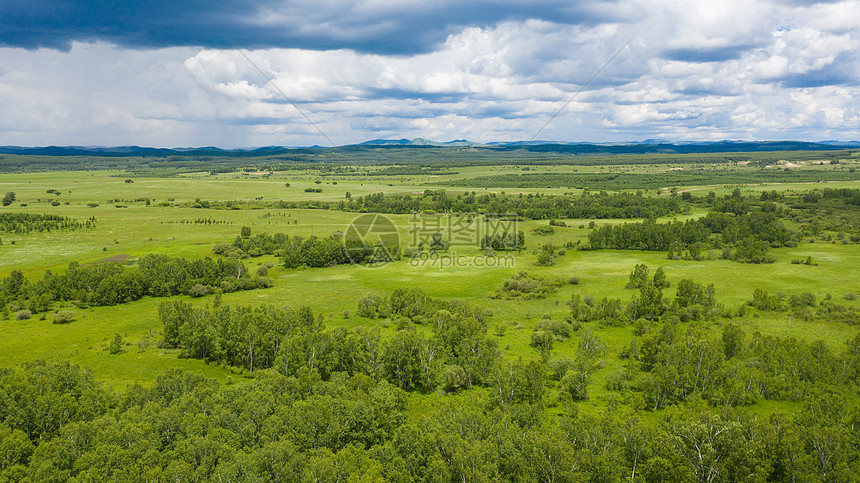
(656,180)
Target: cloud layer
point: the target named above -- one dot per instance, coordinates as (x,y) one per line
(108,73)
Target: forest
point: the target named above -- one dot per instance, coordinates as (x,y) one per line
(330,404)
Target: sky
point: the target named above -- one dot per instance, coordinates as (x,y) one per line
(251,73)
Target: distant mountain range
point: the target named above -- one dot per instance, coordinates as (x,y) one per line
(634,147)
(754,145)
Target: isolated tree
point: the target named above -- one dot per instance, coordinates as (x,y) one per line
(543,341)
(546,255)
(659,279)
(648,305)
(638,277)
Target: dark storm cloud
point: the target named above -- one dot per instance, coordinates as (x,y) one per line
(385,29)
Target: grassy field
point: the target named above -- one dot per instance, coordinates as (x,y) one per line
(168,225)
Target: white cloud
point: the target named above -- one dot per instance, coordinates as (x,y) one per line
(743,69)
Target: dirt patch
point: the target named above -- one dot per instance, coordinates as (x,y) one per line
(118,258)
(696,189)
(202,243)
(788,164)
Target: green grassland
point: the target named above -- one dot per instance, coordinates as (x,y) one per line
(167,225)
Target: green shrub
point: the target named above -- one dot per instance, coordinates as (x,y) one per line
(453,378)
(115,346)
(64,316)
(199,290)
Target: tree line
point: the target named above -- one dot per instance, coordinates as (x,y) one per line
(691,176)
(313,251)
(533,206)
(740,233)
(21,223)
(111,283)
